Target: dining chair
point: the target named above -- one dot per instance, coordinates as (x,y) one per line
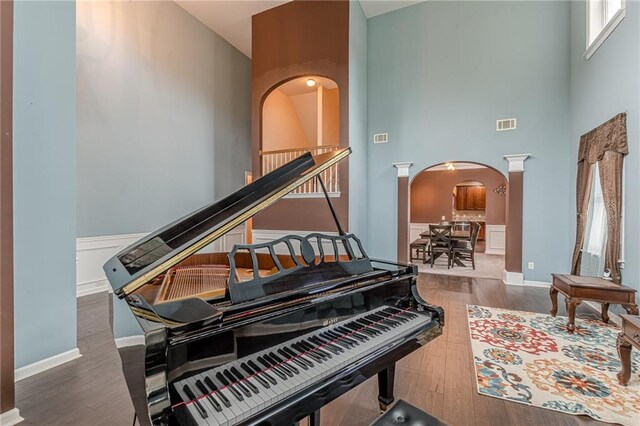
(466,249)
(440,242)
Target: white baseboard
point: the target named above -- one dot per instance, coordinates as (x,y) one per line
(494,252)
(123,342)
(47,363)
(531,283)
(91,287)
(613,317)
(10,418)
(513,278)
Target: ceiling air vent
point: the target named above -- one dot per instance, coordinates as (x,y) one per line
(506,124)
(381,138)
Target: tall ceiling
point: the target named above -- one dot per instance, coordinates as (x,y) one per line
(232,18)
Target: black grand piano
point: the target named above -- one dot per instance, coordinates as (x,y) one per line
(267,333)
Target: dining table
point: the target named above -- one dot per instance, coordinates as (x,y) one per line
(456,235)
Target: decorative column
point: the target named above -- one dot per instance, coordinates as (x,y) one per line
(513,244)
(403,211)
(9,414)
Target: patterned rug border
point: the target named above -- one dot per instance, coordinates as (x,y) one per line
(579,321)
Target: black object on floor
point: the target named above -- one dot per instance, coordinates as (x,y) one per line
(403,413)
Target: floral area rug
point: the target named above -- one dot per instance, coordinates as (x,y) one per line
(531,359)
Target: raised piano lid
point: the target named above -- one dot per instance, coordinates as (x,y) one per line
(144,260)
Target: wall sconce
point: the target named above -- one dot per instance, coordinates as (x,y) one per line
(450,166)
(502,189)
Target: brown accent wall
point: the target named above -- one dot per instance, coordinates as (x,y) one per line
(432,194)
(513,241)
(297,39)
(7,392)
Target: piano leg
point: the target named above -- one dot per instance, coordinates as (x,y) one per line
(314,418)
(385,386)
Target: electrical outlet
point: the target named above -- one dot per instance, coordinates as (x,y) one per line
(532,265)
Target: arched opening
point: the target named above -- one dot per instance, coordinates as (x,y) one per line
(300,115)
(460,194)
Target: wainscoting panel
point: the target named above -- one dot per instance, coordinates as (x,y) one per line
(93,252)
(415,229)
(495,237)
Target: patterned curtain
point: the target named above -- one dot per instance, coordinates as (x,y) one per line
(607,146)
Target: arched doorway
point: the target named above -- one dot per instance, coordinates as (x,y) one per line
(461,194)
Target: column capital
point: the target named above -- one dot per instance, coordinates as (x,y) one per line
(403,168)
(516,162)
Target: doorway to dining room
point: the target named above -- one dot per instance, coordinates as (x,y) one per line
(468,201)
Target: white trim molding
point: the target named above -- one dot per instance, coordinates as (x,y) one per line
(45,364)
(513,278)
(516,161)
(403,168)
(605,31)
(10,418)
(123,342)
(531,283)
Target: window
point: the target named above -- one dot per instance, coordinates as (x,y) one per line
(595,241)
(603,16)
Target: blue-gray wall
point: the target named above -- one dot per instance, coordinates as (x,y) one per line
(163,120)
(602,86)
(44,179)
(358,121)
(440,74)
(163,116)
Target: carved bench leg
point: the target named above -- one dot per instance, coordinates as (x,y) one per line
(631,308)
(553,293)
(605,313)
(624,351)
(385,386)
(571,310)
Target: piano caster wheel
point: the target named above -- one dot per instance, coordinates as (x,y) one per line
(383,407)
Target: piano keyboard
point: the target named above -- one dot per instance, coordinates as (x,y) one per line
(233,392)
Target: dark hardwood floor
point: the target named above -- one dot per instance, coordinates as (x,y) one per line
(438,378)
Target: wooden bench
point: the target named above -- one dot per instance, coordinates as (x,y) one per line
(629,337)
(576,289)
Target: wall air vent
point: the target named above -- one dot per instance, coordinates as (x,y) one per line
(505,124)
(381,138)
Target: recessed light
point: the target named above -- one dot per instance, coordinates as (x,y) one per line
(311,82)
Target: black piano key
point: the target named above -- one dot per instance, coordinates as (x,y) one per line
(360,329)
(254,373)
(256,368)
(239,376)
(214,388)
(315,349)
(293,369)
(276,365)
(192,397)
(329,343)
(305,352)
(386,321)
(373,325)
(358,337)
(232,389)
(340,336)
(335,338)
(263,360)
(210,397)
(293,359)
(298,356)
(324,345)
(232,379)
